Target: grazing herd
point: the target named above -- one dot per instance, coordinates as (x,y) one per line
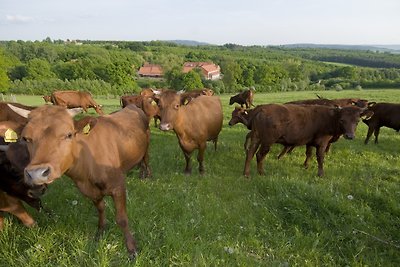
(40,144)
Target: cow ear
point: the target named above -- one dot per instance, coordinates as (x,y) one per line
(85,125)
(367,114)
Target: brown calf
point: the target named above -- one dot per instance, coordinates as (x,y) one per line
(243,98)
(96,159)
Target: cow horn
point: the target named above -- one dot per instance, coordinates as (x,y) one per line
(20,111)
(3,148)
(180,92)
(156,92)
(74,111)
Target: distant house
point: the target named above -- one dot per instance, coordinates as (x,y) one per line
(150,70)
(209,70)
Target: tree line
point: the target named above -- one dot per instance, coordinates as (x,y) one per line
(110,67)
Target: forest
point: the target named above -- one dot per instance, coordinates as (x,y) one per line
(109,68)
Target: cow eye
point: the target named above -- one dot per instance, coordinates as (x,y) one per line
(27,139)
(69,136)
(176,106)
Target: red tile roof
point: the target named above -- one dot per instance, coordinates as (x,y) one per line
(152,70)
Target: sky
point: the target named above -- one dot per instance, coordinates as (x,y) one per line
(244,22)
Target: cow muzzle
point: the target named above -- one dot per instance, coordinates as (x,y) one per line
(37,175)
(165,126)
(36,191)
(349,136)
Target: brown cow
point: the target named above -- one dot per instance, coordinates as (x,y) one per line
(96,159)
(295,125)
(147,104)
(148,92)
(75,99)
(7,114)
(243,98)
(385,114)
(47,98)
(194,124)
(186,97)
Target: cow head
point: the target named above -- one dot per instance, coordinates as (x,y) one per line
(361,103)
(169,103)
(238,115)
(348,119)
(207,92)
(50,137)
(14,157)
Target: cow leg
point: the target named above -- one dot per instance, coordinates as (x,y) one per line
(215,143)
(188,167)
(1,221)
(376,133)
(145,170)
(100,205)
(255,143)
(370,131)
(320,159)
(200,157)
(119,197)
(14,206)
(284,151)
(246,142)
(308,156)
(262,152)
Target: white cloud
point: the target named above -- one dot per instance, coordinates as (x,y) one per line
(18,19)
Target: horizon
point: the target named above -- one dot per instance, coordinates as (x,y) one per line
(254,22)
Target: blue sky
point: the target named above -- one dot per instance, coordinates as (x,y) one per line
(245,22)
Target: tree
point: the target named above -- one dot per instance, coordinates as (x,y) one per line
(38,69)
(192,80)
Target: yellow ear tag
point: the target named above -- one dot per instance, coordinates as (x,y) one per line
(86,129)
(10,136)
(154,103)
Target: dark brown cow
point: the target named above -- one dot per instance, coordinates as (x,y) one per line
(194,124)
(243,98)
(13,190)
(97,160)
(186,97)
(147,104)
(340,102)
(385,115)
(47,98)
(295,125)
(75,99)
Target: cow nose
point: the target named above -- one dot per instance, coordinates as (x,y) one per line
(165,126)
(349,136)
(38,175)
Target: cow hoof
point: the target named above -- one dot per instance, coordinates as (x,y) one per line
(133,256)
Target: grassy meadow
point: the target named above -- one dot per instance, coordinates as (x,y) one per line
(289,217)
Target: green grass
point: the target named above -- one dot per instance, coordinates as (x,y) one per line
(289,217)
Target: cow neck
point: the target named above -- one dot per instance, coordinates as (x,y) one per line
(179,121)
(334,126)
(249,118)
(78,163)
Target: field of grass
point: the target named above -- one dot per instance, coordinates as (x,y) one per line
(289,217)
